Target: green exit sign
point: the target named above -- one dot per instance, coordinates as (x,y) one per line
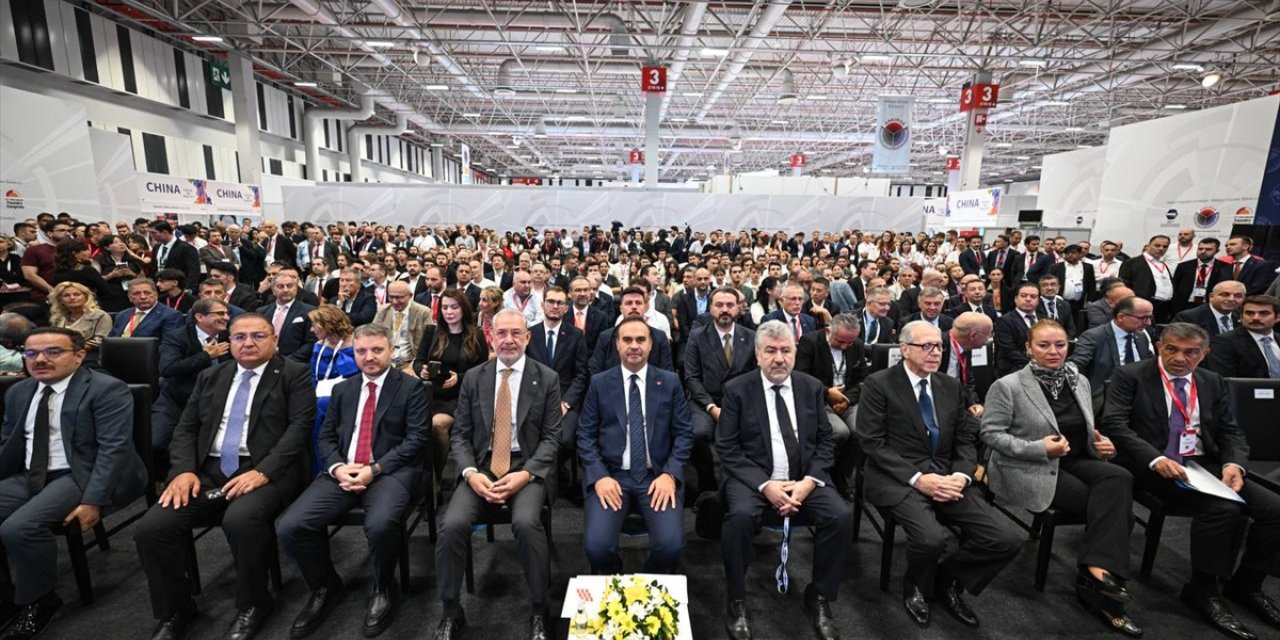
(220,75)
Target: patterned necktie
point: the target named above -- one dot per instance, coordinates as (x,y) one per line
(1031,319)
(164,256)
(364,445)
(1177,421)
(1273,362)
(728,349)
(230,451)
(636,431)
(1235,271)
(38,470)
(500,461)
(930,422)
(1202,275)
(133,323)
(788,432)
(1226,323)
(398,320)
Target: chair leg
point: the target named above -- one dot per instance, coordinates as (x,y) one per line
(79,560)
(404,559)
(471,570)
(431,522)
(1044,552)
(101,537)
(193,571)
(886,551)
(1155,527)
(488,532)
(858,505)
(277,578)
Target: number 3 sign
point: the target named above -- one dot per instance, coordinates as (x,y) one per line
(653,79)
(979,96)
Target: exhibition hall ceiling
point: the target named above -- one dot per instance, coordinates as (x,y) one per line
(553,88)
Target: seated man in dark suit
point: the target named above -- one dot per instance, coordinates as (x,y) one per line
(236,294)
(977,300)
(359,305)
(790,314)
(930,301)
(588,318)
(1054,306)
(1124,340)
(775,444)
(921,453)
(183,355)
(66,457)
(372,442)
(238,456)
(1011,329)
(288,316)
(561,346)
(1253,349)
(1220,313)
(1168,412)
(634,439)
(146,318)
(504,442)
(877,326)
(838,360)
(716,353)
(635,304)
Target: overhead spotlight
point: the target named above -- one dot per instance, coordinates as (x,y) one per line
(504,92)
(1210,79)
(304,85)
(1039,64)
(1187,66)
(540,130)
(206,38)
(915,4)
(711,52)
(942,151)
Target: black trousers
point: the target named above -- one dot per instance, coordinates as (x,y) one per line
(1104,493)
(248,523)
(986,543)
(702,457)
(1216,527)
(830,517)
(303,530)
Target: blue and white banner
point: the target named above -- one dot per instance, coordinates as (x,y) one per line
(893,135)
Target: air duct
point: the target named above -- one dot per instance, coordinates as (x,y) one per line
(693,13)
(310,127)
(771,17)
(506,82)
(355,133)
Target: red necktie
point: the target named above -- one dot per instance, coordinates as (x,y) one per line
(1000,260)
(796,321)
(1204,273)
(364,446)
(580,320)
(1235,271)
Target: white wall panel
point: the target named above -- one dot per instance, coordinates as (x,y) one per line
(195,83)
(141,63)
(8,39)
(228,109)
(57,37)
(108,50)
(168,75)
(71,36)
(139,152)
(173,154)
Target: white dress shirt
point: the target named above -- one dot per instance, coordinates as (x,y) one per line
(1073,281)
(781,466)
(216,450)
(644,409)
(57,451)
(1164,281)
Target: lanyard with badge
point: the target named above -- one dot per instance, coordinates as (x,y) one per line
(1190,433)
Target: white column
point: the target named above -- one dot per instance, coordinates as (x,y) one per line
(244,99)
(652,110)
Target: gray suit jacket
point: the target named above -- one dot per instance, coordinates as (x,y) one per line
(842,296)
(1097,357)
(1015,421)
(1097,313)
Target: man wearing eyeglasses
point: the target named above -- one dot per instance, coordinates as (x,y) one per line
(914,427)
(200,344)
(562,347)
(407,320)
(66,456)
(237,456)
(1101,350)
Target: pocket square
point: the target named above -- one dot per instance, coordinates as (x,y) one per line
(296,321)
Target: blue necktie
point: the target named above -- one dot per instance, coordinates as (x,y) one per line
(1273,363)
(930,422)
(551,346)
(1177,421)
(230,450)
(635,431)
(1130,354)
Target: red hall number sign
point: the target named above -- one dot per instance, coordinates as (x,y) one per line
(653,79)
(979,96)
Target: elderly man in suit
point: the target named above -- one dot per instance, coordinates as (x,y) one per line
(146,318)
(406,320)
(1221,312)
(634,439)
(372,442)
(66,456)
(790,314)
(183,355)
(1011,329)
(967,357)
(929,301)
(354,300)
(715,354)
(921,458)
(1124,340)
(238,456)
(288,317)
(877,326)
(775,443)
(1167,413)
(1099,312)
(504,441)
(838,360)
(1252,350)
(561,346)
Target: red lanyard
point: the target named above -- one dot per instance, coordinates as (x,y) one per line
(1192,399)
(515,299)
(1158,265)
(1103,270)
(955,349)
(178,301)
(1182,255)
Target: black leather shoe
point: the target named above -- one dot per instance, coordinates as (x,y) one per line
(956,606)
(382,609)
(917,607)
(538,627)
(248,622)
(34,618)
(1257,602)
(450,627)
(322,601)
(175,626)
(820,614)
(1108,587)
(1215,610)
(8,613)
(1111,613)
(736,623)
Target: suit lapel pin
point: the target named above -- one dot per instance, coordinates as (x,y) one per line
(659,382)
(535,383)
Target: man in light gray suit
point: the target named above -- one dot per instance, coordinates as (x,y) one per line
(1123,340)
(842,296)
(1098,312)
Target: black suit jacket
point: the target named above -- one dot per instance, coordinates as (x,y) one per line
(813,356)
(252,255)
(944,321)
(981,377)
(1011,258)
(964,307)
(605,355)
(243,296)
(1256,274)
(1059,271)
(1061,313)
(281,416)
(1235,354)
(705,368)
(896,442)
(1202,316)
(402,425)
(1184,281)
(1020,271)
(1011,342)
(1136,418)
(972,262)
(886,330)
(184,258)
(363,308)
(296,340)
(743,435)
(182,358)
(570,362)
(285,250)
(597,322)
(1137,274)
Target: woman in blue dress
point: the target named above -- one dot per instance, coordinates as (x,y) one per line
(332,361)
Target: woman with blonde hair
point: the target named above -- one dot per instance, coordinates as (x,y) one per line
(73,306)
(490,305)
(332,361)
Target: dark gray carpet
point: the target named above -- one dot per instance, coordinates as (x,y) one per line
(1010,608)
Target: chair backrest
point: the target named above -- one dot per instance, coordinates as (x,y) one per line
(142,400)
(884,356)
(5,383)
(1254,403)
(133,360)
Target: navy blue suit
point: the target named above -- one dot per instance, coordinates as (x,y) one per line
(602,439)
(570,363)
(295,340)
(362,308)
(157,322)
(1256,274)
(807,323)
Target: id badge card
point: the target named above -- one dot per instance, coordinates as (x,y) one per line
(1198,292)
(1188,443)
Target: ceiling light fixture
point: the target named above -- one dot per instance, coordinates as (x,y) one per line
(1023,158)
(1073,129)
(1187,66)
(1210,79)
(1175,107)
(712,52)
(942,151)
(875,57)
(549,48)
(691,94)
(206,38)
(566,90)
(816,97)
(379,44)
(678,119)
(779,122)
(1039,64)
(473,115)
(304,85)
(436,87)
(1004,145)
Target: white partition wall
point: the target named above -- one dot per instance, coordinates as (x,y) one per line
(46,161)
(1070,185)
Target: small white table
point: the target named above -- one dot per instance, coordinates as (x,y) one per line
(676,585)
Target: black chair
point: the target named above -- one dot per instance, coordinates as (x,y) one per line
(355,518)
(1043,526)
(193,577)
(885,525)
(498,516)
(1154,525)
(133,360)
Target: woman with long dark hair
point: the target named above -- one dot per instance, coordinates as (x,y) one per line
(71,260)
(447,350)
(117,267)
(766,299)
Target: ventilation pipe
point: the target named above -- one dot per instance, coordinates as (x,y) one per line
(311,129)
(693,13)
(506,83)
(404,19)
(768,20)
(355,133)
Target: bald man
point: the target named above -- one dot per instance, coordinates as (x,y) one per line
(966,357)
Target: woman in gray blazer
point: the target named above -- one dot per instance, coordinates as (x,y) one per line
(1043,451)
